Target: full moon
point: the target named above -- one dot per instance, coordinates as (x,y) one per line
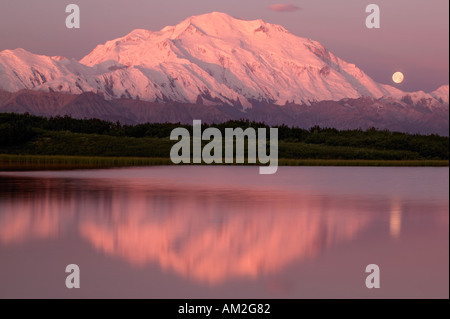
(398,77)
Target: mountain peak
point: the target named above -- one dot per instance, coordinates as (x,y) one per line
(442,93)
(212,18)
(222,59)
(214,15)
(16,52)
(220,24)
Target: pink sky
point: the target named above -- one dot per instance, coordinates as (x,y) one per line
(413,38)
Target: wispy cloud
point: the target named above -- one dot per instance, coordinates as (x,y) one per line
(284,7)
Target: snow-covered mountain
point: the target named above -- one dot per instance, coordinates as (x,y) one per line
(208,59)
(442,94)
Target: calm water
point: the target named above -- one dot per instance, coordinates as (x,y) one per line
(225,232)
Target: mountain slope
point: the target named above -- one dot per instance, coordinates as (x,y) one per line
(442,94)
(222,55)
(20,69)
(214,67)
(212,58)
(358,113)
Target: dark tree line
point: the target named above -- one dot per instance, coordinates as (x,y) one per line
(17,129)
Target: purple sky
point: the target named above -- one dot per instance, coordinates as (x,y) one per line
(413,38)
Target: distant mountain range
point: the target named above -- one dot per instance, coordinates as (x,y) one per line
(214,67)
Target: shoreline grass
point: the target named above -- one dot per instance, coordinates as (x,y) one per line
(50,162)
(10,162)
(357,162)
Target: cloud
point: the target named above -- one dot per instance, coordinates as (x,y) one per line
(281,7)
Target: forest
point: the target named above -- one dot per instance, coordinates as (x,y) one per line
(25,134)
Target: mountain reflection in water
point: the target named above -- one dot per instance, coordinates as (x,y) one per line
(214,225)
(210,236)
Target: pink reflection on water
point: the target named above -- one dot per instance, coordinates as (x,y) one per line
(208,236)
(246,239)
(217,228)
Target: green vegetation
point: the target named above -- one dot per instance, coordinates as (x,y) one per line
(386,163)
(67,142)
(34,162)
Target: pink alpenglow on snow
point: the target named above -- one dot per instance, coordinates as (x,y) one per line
(220,58)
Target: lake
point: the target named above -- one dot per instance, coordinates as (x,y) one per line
(225,232)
